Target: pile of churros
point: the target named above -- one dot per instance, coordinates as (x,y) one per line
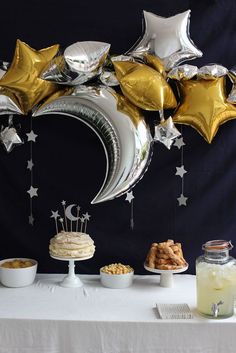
(166,256)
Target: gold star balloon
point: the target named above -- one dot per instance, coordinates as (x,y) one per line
(23,77)
(204,106)
(143,86)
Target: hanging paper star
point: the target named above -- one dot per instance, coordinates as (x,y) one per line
(33,191)
(30,164)
(179,142)
(180,171)
(31,136)
(23,76)
(129,196)
(9,138)
(167,38)
(166,132)
(182,200)
(204,106)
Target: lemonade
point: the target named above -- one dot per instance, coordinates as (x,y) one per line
(216,288)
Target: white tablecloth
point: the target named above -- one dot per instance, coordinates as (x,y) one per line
(47,318)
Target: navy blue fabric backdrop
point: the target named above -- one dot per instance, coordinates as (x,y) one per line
(70,161)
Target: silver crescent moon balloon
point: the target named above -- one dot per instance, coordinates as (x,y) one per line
(68,213)
(125,136)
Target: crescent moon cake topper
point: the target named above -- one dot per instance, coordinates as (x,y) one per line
(122,129)
(69,216)
(68,213)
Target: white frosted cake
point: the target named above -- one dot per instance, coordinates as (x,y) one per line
(71,244)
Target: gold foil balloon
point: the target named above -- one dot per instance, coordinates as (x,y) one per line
(143,86)
(156,63)
(204,106)
(23,77)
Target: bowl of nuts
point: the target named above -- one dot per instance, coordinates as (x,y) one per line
(18,272)
(116,276)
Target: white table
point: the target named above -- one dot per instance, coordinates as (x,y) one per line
(47,318)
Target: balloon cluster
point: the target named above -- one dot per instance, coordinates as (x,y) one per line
(109,93)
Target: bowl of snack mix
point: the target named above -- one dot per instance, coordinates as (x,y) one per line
(116,276)
(18,272)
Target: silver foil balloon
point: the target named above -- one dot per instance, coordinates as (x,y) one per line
(183,72)
(122,130)
(166,132)
(80,62)
(108,78)
(211,71)
(8,105)
(232,96)
(167,38)
(9,136)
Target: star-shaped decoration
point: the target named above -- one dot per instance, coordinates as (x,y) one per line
(9,138)
(30,164)
(31,136)
(61,219)
(179,142)
(166,132)
(33,191)
(86,216)
(23,76)
(54,215)
(82,219)
(204,106)
(173,31)
(129,196)
(63,203)
(182,200)
(180,171)
(31,220)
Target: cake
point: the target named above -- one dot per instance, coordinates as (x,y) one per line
(71,244)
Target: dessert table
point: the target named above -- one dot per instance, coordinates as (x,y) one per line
(47,318)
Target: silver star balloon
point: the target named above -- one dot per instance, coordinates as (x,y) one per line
(9,138)
(79,63)
(168,38)
(166,132)
(209,72)
(108,78)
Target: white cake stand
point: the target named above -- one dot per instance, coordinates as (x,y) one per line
(166,278)
(71,280)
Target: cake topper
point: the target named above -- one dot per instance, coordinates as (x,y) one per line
(69,216)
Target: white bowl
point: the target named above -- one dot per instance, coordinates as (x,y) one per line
(116,281)
(18,277)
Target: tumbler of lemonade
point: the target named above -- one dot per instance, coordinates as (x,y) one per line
(216,280)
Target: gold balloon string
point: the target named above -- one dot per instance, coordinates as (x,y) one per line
(161,113)
(33,192)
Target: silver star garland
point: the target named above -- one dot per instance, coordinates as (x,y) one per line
(180,171)
(130,199)
(33,191)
